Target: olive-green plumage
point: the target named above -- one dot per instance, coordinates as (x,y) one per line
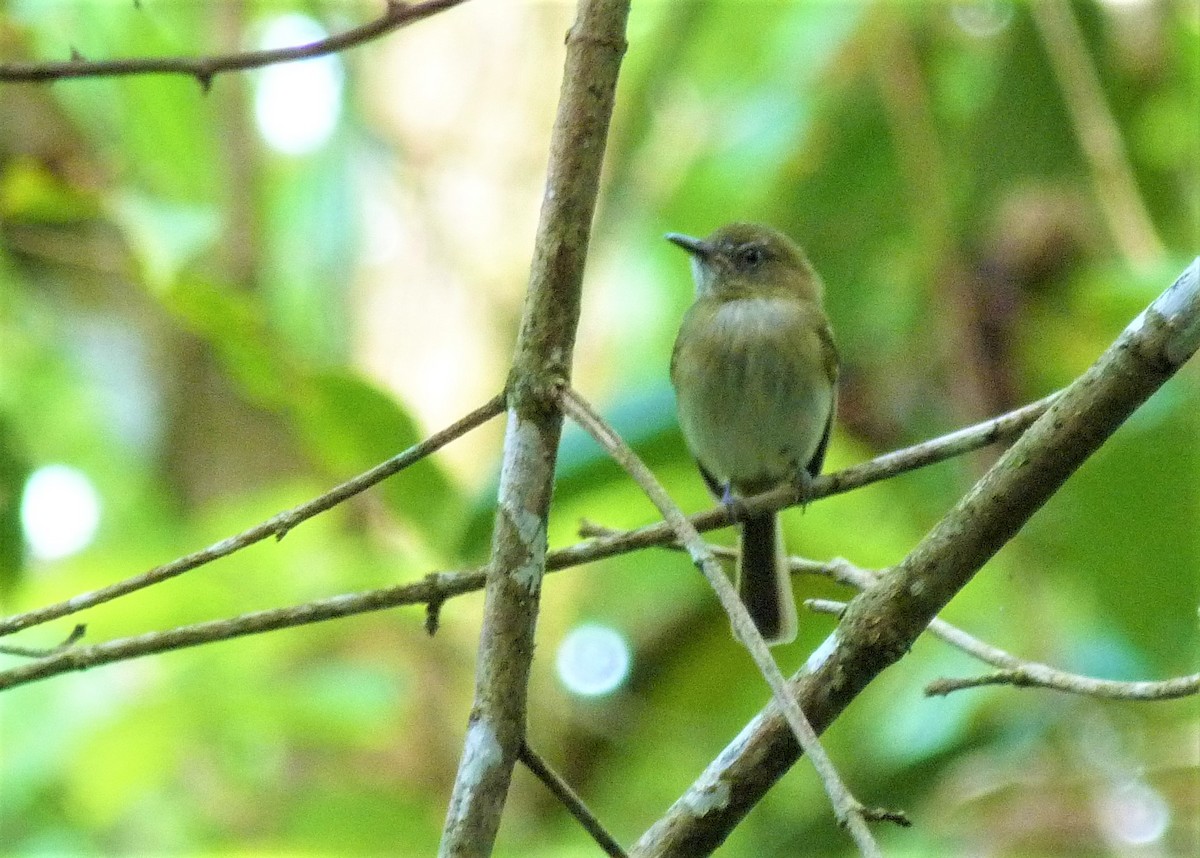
(755,370)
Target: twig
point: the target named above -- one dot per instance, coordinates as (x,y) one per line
(562,791)
(450,584)
(204,69)
(277,526)
(545,344)
(798,565)
(929,452)
(612,543)
(882,623)
(1032,674)
(850,812)
(76,635)
(433,588)
(1098,134)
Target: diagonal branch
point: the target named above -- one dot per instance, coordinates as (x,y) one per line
(396,14)
(595,47)
(884,621)
(277,526)
(562,791)
(850,812)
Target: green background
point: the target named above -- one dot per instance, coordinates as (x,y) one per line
(181,319)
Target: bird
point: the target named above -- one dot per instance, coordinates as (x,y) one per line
(755,371)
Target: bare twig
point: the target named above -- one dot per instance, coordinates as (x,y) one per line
(278,526)
(562,791)
(433,588)
(1031,674)
(76,635)
(850,812)
(395,15)
(545,344)
(882,623)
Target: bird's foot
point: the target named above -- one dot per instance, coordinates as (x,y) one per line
(735,507)
(802,484)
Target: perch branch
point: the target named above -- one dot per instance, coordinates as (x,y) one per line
(929,452)
(440,586)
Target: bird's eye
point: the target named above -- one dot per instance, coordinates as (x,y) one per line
(751,256)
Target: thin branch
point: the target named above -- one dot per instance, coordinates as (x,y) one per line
(395,15)
(436,587)
(445,585)
(562,791)
(1099,135)
(850,812)
(75,636)
(883,467)
(797,565)
(277,526)
(545,345)
(882,623)
(1031,674)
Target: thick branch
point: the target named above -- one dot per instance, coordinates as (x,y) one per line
(884,621)
(595,46)
(204,69)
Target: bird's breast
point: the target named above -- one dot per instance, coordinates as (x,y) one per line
(753,388)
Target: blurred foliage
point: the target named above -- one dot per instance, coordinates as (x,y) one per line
(183,315)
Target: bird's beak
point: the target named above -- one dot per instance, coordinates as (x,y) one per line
(695,246)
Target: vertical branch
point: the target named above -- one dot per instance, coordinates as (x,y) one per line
(595,45)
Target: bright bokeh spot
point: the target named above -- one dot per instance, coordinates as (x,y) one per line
(1135,814)
(60,512)
(593,660)
(983,18)
(297,105)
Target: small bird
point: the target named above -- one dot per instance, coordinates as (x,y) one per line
(755,373)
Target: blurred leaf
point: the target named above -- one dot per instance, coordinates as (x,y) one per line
(30,192)
(349,425)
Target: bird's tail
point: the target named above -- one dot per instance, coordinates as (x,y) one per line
(764,580)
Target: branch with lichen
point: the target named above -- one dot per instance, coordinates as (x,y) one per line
(545,343)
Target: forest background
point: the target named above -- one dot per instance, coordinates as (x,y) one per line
(217,304)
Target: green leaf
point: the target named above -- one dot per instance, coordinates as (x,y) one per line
(349,425)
